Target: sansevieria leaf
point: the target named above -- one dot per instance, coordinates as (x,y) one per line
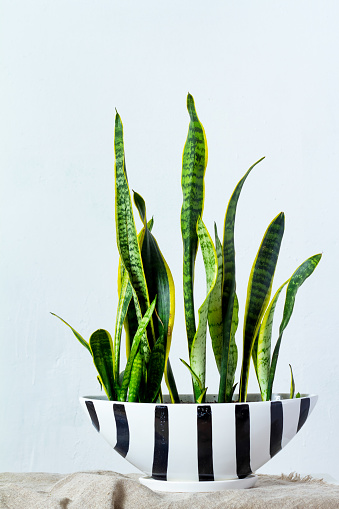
(194,162)
(259,291)
(134,350)
(263,357)
(198,349)
(124,301)
(159,283)
(102,347)
(215,306)
(233,353)
(295,282)
(292,389)
(131,320)
(76,334)
(127,239)
(135,380)
(155,370)
(228,283)
(197,380)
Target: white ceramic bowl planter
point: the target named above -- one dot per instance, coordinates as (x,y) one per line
(199,447)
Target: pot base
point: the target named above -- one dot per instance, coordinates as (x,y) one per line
(198,486)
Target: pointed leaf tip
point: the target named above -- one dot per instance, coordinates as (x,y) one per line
(191,107)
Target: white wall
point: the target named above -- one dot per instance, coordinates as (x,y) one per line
(265,80)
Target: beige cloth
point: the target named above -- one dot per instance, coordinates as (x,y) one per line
(109,490)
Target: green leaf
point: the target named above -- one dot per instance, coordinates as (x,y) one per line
(131,320)
(255,353)
(155,370)
(170,382)
(259,291)
(292,389)
(101,346)
(159,283)
(194,376)
(264,345)
(298,395)
(76,334)
(228,285)
(194,164)
(233,353)
(124,301)
(127,239)
(230,398)
(140,205)
(202,396)
(198,349)
(134,350)
(295,282)
(215,306)
(135,380)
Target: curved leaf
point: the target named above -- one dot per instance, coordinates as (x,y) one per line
(264,345)
(295,282)
(76,334)
(194,376)
(194,162)
(259,291)
(198,349)
(101,347)
(228,283)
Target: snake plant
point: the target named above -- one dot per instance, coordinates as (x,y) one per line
(146,304)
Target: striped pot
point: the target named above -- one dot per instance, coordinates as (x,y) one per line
(199,445)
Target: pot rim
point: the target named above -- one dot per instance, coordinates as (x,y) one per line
(253,398)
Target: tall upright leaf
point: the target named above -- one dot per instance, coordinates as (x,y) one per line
(232,353)
(194,164)
(198,349)
(127,239)
(215,306)
(259,291)
(228,284)
(297,279)
(159,283)
(131,320)
(123,304)
(263,357)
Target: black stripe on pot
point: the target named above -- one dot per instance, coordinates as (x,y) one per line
(121,423)
(161,435)
(242,440)
(277,422)
(205,450)
(93,414)
(304,410)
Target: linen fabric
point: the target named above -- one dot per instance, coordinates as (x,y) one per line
(110,490)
